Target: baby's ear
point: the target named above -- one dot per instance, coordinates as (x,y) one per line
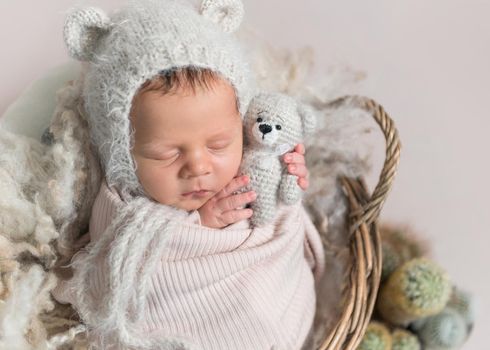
(228,14)
(83,30)
(308,118)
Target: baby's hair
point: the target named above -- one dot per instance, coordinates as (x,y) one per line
(169,81)
(172,80)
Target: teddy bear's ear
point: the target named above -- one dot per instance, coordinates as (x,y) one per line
(83,30)
(228,14)
(308,117)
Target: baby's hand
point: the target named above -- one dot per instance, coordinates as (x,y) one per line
(224,209)
(297,166)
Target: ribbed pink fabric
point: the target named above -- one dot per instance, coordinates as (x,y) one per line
(234,288)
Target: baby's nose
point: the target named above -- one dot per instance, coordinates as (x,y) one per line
(197,169)
(265,128)
(197,164)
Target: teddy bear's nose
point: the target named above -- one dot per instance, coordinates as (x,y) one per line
(265,128)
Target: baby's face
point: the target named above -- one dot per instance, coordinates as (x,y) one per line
(187,142)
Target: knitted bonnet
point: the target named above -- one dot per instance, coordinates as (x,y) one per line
(134,45)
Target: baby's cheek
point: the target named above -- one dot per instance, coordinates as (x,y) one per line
(157,182)
(228,168)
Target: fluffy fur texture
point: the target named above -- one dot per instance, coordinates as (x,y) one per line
(43,208)
(65,176)
(134,45)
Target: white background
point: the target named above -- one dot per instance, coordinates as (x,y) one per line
(427,63)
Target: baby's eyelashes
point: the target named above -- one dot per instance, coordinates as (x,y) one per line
(166,157)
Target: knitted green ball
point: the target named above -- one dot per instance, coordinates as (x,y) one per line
(404,242)
(399,244)
(462,302)
(404,340)
(377,337)
(446,330)
(416,289)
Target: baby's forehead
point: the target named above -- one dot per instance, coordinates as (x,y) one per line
(170,115)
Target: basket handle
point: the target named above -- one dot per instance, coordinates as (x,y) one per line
(372,209)
(365,245)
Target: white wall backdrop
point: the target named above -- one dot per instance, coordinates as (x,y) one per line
(427,63)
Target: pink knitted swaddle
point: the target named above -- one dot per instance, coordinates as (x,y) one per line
(234,288)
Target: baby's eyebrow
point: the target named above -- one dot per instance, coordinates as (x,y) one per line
(154,146)
(223,135)
(226,133)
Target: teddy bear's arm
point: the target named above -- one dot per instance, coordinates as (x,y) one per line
(289,190)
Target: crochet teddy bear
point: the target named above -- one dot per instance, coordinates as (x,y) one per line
(273,125)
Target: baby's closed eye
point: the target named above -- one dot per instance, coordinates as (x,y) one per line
(164,156)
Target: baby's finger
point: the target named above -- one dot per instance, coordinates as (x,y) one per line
(232,216)
(235,184)
(236,201)
(299,170)
(294,157)
(303,183)
(300,148)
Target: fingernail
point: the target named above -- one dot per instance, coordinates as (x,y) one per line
(292,168)
(287,157)
(253,195)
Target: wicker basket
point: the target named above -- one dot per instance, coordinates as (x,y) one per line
(364,275)
(365,246)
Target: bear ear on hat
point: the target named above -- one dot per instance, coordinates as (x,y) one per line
(228,14)
(308,118)
(83,30)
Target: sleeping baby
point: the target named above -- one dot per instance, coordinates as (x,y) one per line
(173,261)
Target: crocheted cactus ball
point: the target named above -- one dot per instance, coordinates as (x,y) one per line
(399,244)
(404,340)
(418,288)
(444,331)
(462,302)
(391,260)
(377,337)
(404,241)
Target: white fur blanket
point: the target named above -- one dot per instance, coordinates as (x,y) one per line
(49,187)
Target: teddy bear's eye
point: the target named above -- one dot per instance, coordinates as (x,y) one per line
(278,127)
(259,120)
